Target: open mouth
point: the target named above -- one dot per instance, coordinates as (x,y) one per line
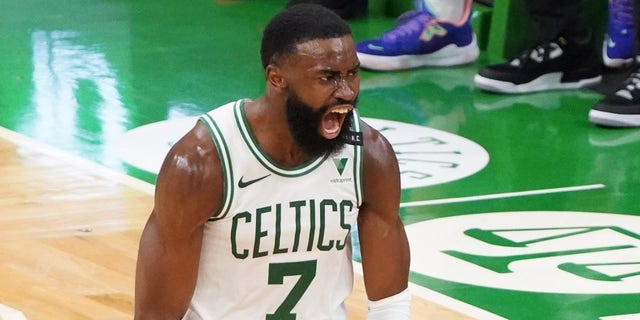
(333,119)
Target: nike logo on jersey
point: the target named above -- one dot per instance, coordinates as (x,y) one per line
(244,184)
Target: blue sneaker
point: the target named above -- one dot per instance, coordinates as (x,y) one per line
(618,48)
(420,39)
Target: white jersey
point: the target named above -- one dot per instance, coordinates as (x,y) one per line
(279,246)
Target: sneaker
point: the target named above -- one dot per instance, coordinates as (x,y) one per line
(418,40)
(621,108)
(618,47)
(551,66)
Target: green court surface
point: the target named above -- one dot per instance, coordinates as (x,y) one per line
(516,206)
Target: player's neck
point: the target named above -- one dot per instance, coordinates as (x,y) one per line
(269,128)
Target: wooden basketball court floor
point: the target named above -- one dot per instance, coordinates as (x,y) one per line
(516,207)
(70,232)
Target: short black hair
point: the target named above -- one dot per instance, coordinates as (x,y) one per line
(297,24)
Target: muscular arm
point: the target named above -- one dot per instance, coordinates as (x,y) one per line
(188,190)
(383,242)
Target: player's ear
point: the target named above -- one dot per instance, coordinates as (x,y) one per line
(275,77)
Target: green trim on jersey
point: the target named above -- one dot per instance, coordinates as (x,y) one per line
(225,163)
(266,161)
(262,157)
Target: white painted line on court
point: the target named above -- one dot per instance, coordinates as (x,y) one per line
(501,195)
(634,316)
(23,141)
(8,313)
(443,300)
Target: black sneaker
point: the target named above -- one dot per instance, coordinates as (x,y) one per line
(621,108)
(558,64)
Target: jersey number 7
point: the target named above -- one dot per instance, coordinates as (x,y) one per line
(277,271)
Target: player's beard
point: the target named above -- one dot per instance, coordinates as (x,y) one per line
(304,123)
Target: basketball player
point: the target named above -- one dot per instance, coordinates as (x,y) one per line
(254,206)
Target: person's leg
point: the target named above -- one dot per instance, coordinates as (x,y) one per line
(555,18)
(565,57)
(618,49)
(423,38)
(621,108)
(636,22)
(451,10)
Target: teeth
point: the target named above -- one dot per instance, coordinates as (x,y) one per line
(341,110)
(334,130)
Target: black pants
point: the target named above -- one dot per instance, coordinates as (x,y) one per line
(555,18)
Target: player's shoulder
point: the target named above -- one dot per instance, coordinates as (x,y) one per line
(379,155)
(193,154)
(190,179)
(375,142)
(197,149)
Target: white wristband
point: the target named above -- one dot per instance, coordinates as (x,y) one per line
(395,307)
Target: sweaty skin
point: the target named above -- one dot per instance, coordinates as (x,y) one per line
(190,183)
